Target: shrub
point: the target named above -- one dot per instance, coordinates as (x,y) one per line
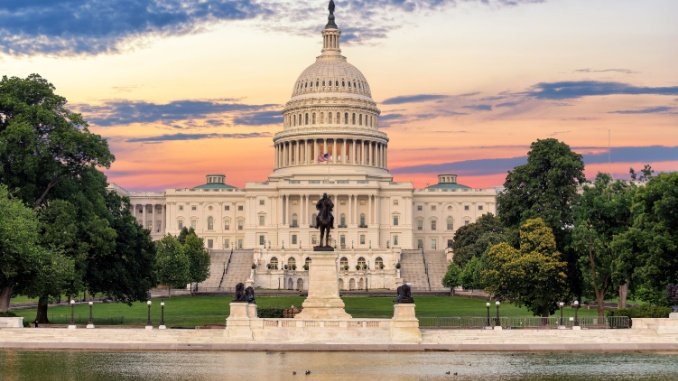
(643,311)
(270,313)
(7,314)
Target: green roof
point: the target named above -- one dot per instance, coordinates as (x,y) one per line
(215,186)
(448,186)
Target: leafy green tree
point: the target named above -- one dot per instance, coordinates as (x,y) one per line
(171,263)
(603,211)
(126,272)
(185,232)
(533,276)
(546,187)
(452,277)
(653,237)
(474,239)
(198,257)
(470,275)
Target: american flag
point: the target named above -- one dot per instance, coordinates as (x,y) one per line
(324,157)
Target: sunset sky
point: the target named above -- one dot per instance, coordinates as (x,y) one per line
(185,88)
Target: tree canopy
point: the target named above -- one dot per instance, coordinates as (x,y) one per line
(474,239)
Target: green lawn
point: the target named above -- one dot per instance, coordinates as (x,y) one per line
(186,311)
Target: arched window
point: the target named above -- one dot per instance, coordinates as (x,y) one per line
(329,118)
(396,219)
(338,118)
(353,119)
(210,223)
(274,264)
(227,223)
(343,263)
(322,118)
(362,265)
(241,223)
(345,118)
(362,220)
(360,119)
(306,119)
(420,224)
(295,220)
(450,223)
(434,224)
(291,263)
(342,219)
(379,263)
(313,118)
(307,262)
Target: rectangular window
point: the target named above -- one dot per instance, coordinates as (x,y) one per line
(433,207)
(395,240)
(194,207)
(241,225)
(241,208)
(362,239)
(449,243)
(227,207)
(420,224)
(194,224)
(181,207)
(395,220)
(262,220)
(210,244)
(466,207)
(180,224)
(480,207)
(395,202)
(294,239)
(420,244)
(262,202)
(420,208)
(434,244)
(434,224)
(262,240)
(227,244)
(240,243)
(342,240)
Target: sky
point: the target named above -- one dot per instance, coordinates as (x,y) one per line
(181,89)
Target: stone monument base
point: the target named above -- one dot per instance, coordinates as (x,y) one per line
(323,301)
(238,322)
(673,315)
(405,325)
(12,322)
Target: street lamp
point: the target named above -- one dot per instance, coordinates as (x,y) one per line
(576,313)
(561,304)
(90,322)
(487,306)
(497,303)
(72,323)
(149,325)
(162,316)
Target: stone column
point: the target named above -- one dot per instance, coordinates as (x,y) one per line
(143,217)
(369,210)
(315,151)
(334,151)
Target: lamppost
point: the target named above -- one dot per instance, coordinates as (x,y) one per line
(560,322)
(90,322)
(576,313)
(149,325)
(498,322)
(487,306)
(162,316)
(71,325)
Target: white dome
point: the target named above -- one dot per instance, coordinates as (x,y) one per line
(332,75)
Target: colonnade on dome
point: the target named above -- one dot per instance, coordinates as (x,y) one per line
(340,150)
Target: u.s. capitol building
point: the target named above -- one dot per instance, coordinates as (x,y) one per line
(330,143)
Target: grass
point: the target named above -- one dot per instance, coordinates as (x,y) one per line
(196,311)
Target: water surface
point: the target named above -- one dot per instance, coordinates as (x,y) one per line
(344,366)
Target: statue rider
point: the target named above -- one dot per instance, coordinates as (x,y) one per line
(321,205)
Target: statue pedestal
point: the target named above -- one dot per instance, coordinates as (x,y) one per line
(673,315)
(405,325)
(323,301)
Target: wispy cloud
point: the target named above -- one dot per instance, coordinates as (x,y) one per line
(179,137)
(647,110)
(261,118)
(480,167)
(68,27)
(578,89)
(479,107)
(611,70)
(417,98)
(121,112)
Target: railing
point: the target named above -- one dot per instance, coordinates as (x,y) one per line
(474,322)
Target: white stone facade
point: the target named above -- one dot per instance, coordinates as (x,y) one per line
(330,144)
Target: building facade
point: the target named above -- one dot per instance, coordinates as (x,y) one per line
(330,143)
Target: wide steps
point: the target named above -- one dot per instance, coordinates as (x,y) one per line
(412,270)
(239,268)
(218,259)
(436,263)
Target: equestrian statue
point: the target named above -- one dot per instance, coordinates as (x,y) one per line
(325,220)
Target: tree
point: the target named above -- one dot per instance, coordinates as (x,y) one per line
(533,276)
(125,273)
(546,187)
(474,239)
(452,277)
(603,211)
(198,257)
(171,263)
(470,274)
(653,237)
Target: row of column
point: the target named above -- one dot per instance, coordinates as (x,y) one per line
(340,151)
(349,119)
(307,208)
(154,211)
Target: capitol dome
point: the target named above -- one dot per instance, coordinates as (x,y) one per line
(331,118)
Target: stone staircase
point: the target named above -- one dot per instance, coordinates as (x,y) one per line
(238,268)
(436,263)
(413,271)
(218,261)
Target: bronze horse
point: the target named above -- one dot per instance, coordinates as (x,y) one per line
(325,220)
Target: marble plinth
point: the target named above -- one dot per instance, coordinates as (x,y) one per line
(12,322)
(673,315)
(323,301)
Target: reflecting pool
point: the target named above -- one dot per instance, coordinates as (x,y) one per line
(345,366)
